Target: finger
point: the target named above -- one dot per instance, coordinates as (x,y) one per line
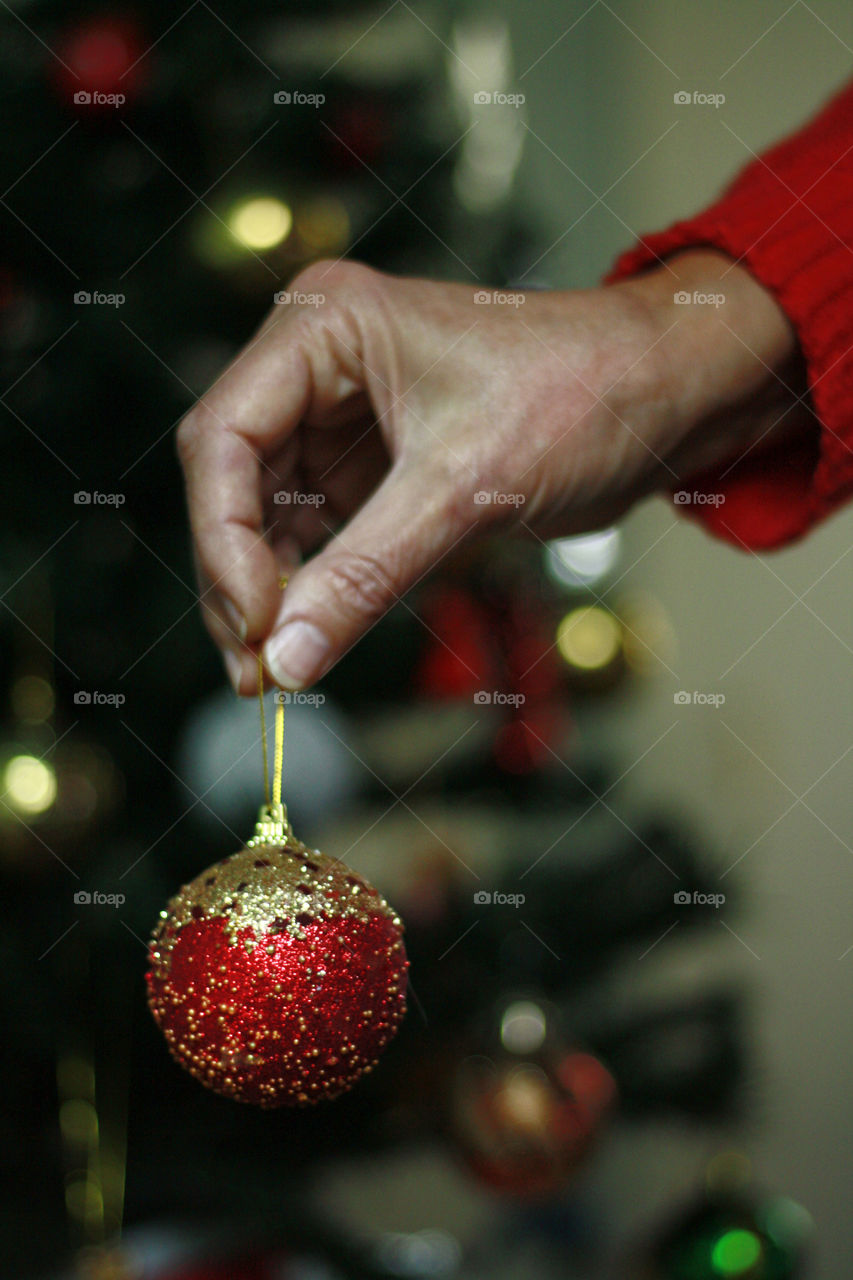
(398,536)
(222,445)
(291,368)
(227,629)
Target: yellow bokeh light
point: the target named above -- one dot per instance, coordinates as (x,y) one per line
(78,1121)
(30,784)
(260,223)
(84,1199)
(324,225)
(32,699)
(589,638)
(729,1171)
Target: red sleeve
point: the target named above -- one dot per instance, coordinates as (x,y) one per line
(787,217)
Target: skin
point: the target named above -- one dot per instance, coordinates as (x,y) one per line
(398,400)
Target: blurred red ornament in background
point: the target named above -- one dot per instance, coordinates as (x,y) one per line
(526,1116)
(100,60)
(359,133)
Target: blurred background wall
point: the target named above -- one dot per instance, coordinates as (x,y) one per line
(773,633)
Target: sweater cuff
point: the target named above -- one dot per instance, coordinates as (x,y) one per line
(792,229)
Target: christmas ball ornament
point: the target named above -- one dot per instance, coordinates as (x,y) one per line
(527,1110)
(278,975)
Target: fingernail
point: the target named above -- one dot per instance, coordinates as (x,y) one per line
(234,668)
(296,654)
(235,618)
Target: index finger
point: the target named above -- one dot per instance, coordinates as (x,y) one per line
(253,407)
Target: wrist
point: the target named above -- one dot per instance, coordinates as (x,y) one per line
(730,359)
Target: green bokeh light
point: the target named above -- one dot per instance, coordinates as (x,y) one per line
(735,1252)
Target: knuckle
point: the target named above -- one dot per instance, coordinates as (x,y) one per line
(336,276)
(360,586)
(187,438)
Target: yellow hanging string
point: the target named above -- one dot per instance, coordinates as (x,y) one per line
(278,763)
(272,827)
(263,728)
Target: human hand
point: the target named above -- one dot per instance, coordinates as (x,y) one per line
(414,418)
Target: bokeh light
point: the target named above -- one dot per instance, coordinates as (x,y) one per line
(735,1252)
(30,784)
(78,1121)
(260,223)
(32,699)
(323,224)
(589,638)
(523,1027)
(585,560)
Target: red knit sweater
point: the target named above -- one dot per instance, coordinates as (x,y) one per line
(788,217)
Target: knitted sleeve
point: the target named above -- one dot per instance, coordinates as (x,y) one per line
(788,218)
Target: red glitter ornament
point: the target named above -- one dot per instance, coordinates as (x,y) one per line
(278,975)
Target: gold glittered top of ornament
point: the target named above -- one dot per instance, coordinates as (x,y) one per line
(272,889)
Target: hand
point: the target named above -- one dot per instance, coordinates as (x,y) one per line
(381,428)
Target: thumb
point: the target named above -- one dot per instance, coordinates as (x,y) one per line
(396,538)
